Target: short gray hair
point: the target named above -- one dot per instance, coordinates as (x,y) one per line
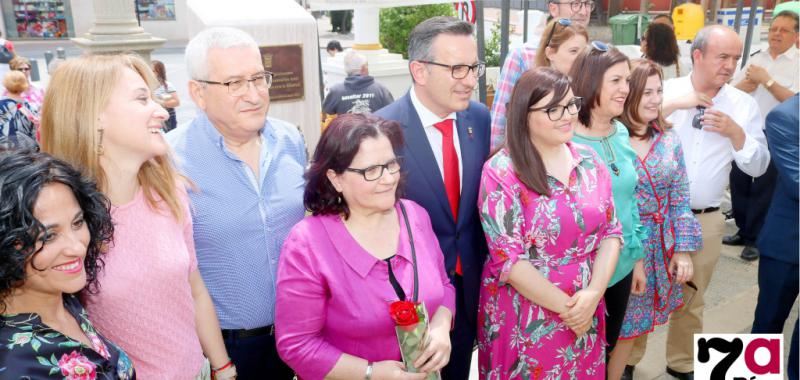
(702,38)
(196,55)
(421,38)
(353,62)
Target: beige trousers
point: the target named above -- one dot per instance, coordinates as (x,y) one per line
(688,320)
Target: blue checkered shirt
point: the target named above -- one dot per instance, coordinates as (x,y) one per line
(240,222)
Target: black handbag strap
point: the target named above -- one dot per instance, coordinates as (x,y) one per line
(415,297)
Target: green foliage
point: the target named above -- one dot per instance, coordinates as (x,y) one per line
(492,50)
(396,23)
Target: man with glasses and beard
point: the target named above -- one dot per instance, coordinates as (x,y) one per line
(447,142)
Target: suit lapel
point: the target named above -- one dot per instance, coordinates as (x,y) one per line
(470,171)
(418,149)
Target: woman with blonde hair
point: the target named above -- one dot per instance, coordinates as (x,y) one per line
(100,116)
(34,95)
(564,41)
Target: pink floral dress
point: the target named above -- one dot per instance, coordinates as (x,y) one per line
(559,234)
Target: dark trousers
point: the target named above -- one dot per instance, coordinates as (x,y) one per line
(750,199)
(257,358)
(462,338)
(777,291)
(616,298)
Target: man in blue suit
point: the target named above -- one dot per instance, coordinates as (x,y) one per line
(779,240)
(447,142)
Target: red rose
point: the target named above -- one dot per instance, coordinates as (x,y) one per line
(404,313)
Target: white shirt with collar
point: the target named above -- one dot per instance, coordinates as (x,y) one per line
(783,69)
(708,155)
(428,119)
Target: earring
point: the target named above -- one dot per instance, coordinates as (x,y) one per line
(99,148)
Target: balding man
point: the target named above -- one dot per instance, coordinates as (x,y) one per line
(717,124)
(359,93)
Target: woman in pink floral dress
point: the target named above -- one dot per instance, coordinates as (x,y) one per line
(554,239)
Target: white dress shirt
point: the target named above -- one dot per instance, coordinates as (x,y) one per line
(428,119)
(708,155)
(783,69)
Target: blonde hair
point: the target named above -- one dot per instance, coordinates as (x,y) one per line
(78,92)
(557,38)
(17,62)
(15,82)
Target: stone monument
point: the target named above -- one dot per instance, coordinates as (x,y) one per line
(116,30)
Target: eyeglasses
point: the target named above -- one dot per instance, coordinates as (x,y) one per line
(461,71)
(565,22)
(555,113)
(600,46)
(375,172)
(238,87)
(576,6)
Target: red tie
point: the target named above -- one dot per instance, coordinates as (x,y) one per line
(452,179)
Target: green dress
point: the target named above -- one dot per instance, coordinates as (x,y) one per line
(616,152)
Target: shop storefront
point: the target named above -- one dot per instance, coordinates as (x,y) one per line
(37,19)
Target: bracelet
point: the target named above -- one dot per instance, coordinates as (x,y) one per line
(368,375)
(228,364)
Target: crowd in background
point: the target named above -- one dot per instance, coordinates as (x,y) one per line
(553,230)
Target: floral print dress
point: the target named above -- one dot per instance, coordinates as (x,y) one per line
(559,234)
(663,199)
(30,349)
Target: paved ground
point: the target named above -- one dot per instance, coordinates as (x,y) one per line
(731,296)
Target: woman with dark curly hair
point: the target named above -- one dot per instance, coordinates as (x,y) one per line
(54,227)
(660,46)
(363,248)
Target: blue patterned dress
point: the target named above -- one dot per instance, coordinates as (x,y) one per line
(663,199)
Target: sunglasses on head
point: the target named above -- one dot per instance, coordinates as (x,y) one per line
(565,22)
(600,46)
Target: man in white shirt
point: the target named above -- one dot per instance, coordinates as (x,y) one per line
(771,76)
(730,130)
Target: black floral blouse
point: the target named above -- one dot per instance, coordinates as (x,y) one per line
(31,350)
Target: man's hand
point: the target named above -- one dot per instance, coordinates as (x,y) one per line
(747,85)
(719,122)
(758,74)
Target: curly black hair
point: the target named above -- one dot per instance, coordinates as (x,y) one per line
(24,174)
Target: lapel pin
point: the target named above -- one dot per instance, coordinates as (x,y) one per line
(469,132)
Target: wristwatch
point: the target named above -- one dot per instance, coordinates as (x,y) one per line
(769,83)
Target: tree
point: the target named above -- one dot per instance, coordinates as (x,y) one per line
(396,23)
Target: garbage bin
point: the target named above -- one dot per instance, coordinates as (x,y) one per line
(624,28)
(688,19)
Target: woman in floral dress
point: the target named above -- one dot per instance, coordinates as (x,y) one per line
(54,226)
(548,215)
(663,197)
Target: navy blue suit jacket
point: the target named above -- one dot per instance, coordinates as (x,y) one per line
(424,185)
(779,236)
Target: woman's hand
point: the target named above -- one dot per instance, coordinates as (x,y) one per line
(639,284)
(437,350)
(696,99)
(394,370)
(681,267)
(582,306)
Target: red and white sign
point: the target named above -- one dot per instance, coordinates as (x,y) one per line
(466,11)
